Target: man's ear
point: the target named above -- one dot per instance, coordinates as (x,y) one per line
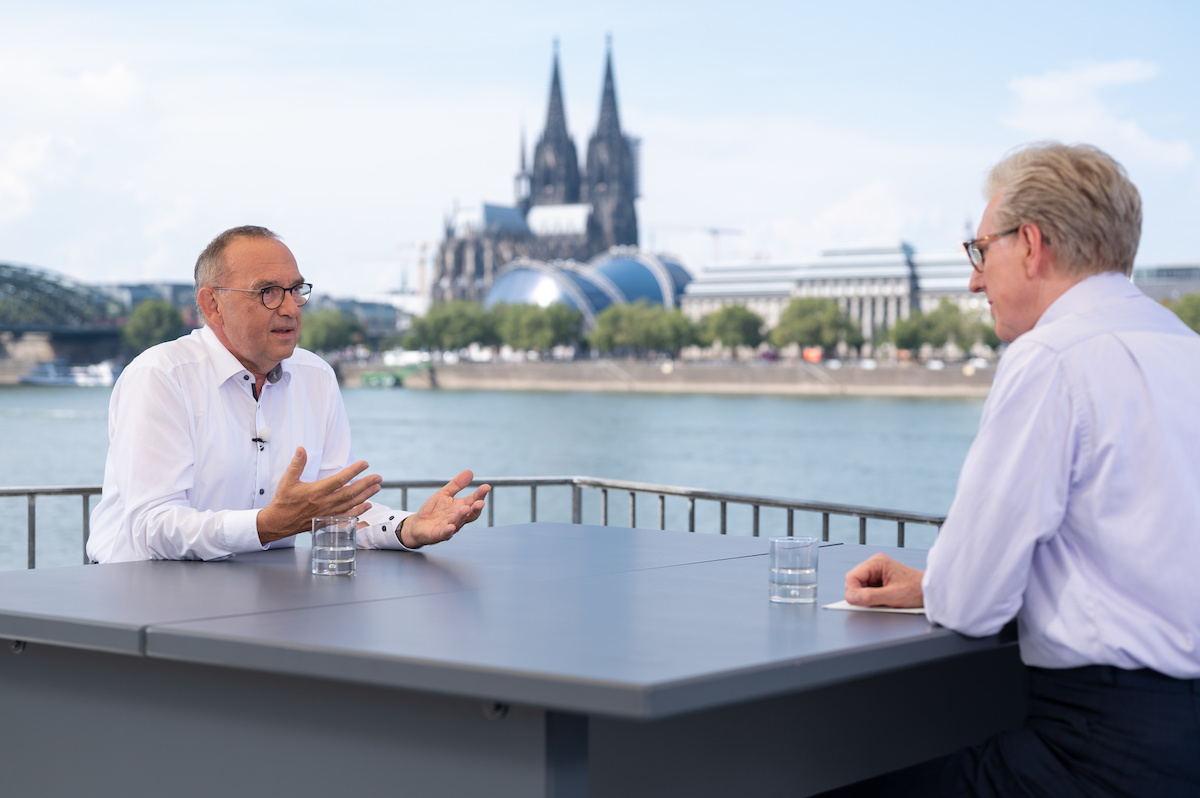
(206,298)
(1038,260)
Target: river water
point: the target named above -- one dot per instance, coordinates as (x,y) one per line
(878,452)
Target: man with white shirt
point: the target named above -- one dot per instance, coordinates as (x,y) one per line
(230,439)
(1078,507)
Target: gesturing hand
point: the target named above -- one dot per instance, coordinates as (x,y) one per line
(296,503)
(442,514)
(883,582)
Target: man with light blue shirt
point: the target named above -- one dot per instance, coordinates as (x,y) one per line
(231,439)
(1078,507)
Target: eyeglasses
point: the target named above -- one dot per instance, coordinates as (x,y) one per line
(272,295)
(975,250)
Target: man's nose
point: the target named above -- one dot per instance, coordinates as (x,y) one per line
(976,283)
(289,306)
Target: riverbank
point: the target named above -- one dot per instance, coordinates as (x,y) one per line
(632,376)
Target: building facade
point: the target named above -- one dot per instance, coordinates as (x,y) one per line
(874,286)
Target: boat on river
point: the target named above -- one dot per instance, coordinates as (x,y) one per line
(60,372)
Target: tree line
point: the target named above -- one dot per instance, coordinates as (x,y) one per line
(628,330)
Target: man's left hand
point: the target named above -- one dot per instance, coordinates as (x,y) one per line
(442,514)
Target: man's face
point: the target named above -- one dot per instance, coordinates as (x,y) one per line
(1011,294)
(258,337)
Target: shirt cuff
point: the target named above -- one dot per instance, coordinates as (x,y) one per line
(241,531)
(382,533)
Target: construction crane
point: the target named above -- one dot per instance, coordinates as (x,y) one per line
(715,232)
(422,248)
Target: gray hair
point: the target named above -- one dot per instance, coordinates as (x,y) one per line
(210,266)
(1088,210)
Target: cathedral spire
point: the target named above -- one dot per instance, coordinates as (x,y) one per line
(554,179)
(556,115)
(610,122)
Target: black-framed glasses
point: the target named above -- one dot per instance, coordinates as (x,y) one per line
(272,295)
(975,249)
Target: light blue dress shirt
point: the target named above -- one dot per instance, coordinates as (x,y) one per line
(1078,506)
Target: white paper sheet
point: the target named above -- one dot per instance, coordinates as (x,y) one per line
(844,605)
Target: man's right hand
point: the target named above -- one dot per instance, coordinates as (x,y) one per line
(883,582)
(296,503)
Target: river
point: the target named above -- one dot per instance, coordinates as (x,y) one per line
(878,452)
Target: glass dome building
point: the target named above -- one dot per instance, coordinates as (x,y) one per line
(620,275)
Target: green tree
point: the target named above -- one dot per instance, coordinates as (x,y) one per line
(675,331)
(641,328)
(451,326)
(809,321)
(152,322)
(328,330)
(1187,308)
(734,325)
(534,327)
(942,325)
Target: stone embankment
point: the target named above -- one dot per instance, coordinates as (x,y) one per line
(758,377)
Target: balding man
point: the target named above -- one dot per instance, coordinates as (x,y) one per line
(1078,506)
(230,439)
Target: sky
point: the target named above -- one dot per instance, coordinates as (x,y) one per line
(131,133)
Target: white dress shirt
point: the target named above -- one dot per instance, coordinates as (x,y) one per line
(1078,506)
(185,480)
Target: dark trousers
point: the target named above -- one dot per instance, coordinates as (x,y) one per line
(1094,731)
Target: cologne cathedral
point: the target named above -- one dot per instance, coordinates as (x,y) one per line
(562,211)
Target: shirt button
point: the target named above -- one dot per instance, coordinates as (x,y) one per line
(245,376)
(260,491)
(385,527)
(391,518)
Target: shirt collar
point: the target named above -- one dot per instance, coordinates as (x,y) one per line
(227,366)
(1097,289)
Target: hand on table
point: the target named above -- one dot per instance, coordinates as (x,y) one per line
(296,503)
(442,514)
(882,582)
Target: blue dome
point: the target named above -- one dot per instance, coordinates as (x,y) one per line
(523,285)
(623,274)
(641,275)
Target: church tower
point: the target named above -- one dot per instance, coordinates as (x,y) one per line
(554,179)
(611,172)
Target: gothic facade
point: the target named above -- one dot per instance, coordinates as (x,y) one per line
(561,211)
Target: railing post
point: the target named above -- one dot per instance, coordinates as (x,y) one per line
(604,507)
(87,528)
(825,526)
(662,511)
(532,503)
(32,541)
(791,521)
(691,513)
(404,500)
(491,505)
(632,510)
(900,534)
(756,520)
(723,510)
(576,504)
(862,530)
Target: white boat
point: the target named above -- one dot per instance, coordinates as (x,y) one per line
(58,372)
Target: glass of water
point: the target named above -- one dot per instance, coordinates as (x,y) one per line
(333,545)
(794,570)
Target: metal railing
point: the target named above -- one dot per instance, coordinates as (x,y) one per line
(577,486)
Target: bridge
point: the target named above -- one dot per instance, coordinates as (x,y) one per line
(44,315)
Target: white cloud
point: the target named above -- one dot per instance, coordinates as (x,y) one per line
(1069,105)
(20,162)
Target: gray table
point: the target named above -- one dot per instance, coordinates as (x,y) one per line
(539,659)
